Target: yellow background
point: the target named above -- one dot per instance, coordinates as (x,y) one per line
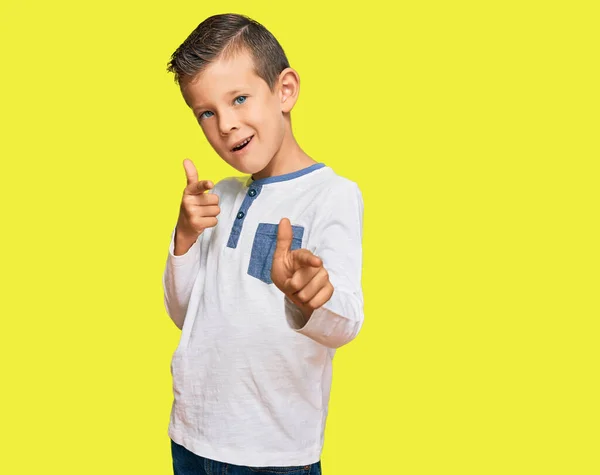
(472,131)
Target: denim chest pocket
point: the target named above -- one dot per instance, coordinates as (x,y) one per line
(263,248)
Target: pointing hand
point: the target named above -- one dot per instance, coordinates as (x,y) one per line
(198,209)
(299,273)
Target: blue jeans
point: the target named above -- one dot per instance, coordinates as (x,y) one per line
(188,463)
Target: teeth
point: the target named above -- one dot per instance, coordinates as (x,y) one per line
(242,144)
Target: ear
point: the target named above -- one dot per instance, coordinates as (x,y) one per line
(289,88)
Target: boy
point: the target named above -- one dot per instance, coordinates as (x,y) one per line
(265,293)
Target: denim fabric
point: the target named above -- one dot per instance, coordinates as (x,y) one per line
(238,222)
(284,177)
(188,463)
(263,248)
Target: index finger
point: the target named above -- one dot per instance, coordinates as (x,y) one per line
(305,258)
(199,187)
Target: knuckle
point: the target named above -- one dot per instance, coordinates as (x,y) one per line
(202,211)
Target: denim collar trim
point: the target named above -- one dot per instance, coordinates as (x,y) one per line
(286,176)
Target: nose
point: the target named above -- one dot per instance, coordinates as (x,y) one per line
(227,122)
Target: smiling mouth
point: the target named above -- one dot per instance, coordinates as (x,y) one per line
(243,144)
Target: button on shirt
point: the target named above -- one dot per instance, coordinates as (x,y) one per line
(252,377)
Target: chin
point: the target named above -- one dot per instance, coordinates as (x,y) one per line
(248,168)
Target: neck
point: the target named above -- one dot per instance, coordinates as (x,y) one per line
(288,159)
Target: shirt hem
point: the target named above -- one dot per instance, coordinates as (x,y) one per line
(249,458)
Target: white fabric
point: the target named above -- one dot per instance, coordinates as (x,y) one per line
(251,378)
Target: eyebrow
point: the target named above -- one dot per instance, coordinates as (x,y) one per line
(228,94)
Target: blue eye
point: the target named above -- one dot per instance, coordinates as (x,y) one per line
(205,112)
(240,97)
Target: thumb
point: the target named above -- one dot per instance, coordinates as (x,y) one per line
(190,171)
(284,238)
(194,187)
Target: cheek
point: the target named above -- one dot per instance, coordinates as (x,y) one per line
(210,135)
(213,137)
(266,117)
(258,116)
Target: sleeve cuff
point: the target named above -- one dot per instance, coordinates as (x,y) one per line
(326,325)
(192,254)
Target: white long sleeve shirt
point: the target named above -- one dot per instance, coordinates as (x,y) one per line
(251,377)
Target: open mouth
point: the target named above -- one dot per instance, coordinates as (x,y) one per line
(243,144)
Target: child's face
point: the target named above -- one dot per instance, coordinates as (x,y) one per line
(231,104)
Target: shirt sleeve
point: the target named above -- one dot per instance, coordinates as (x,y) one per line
(178,279)
(339,245)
